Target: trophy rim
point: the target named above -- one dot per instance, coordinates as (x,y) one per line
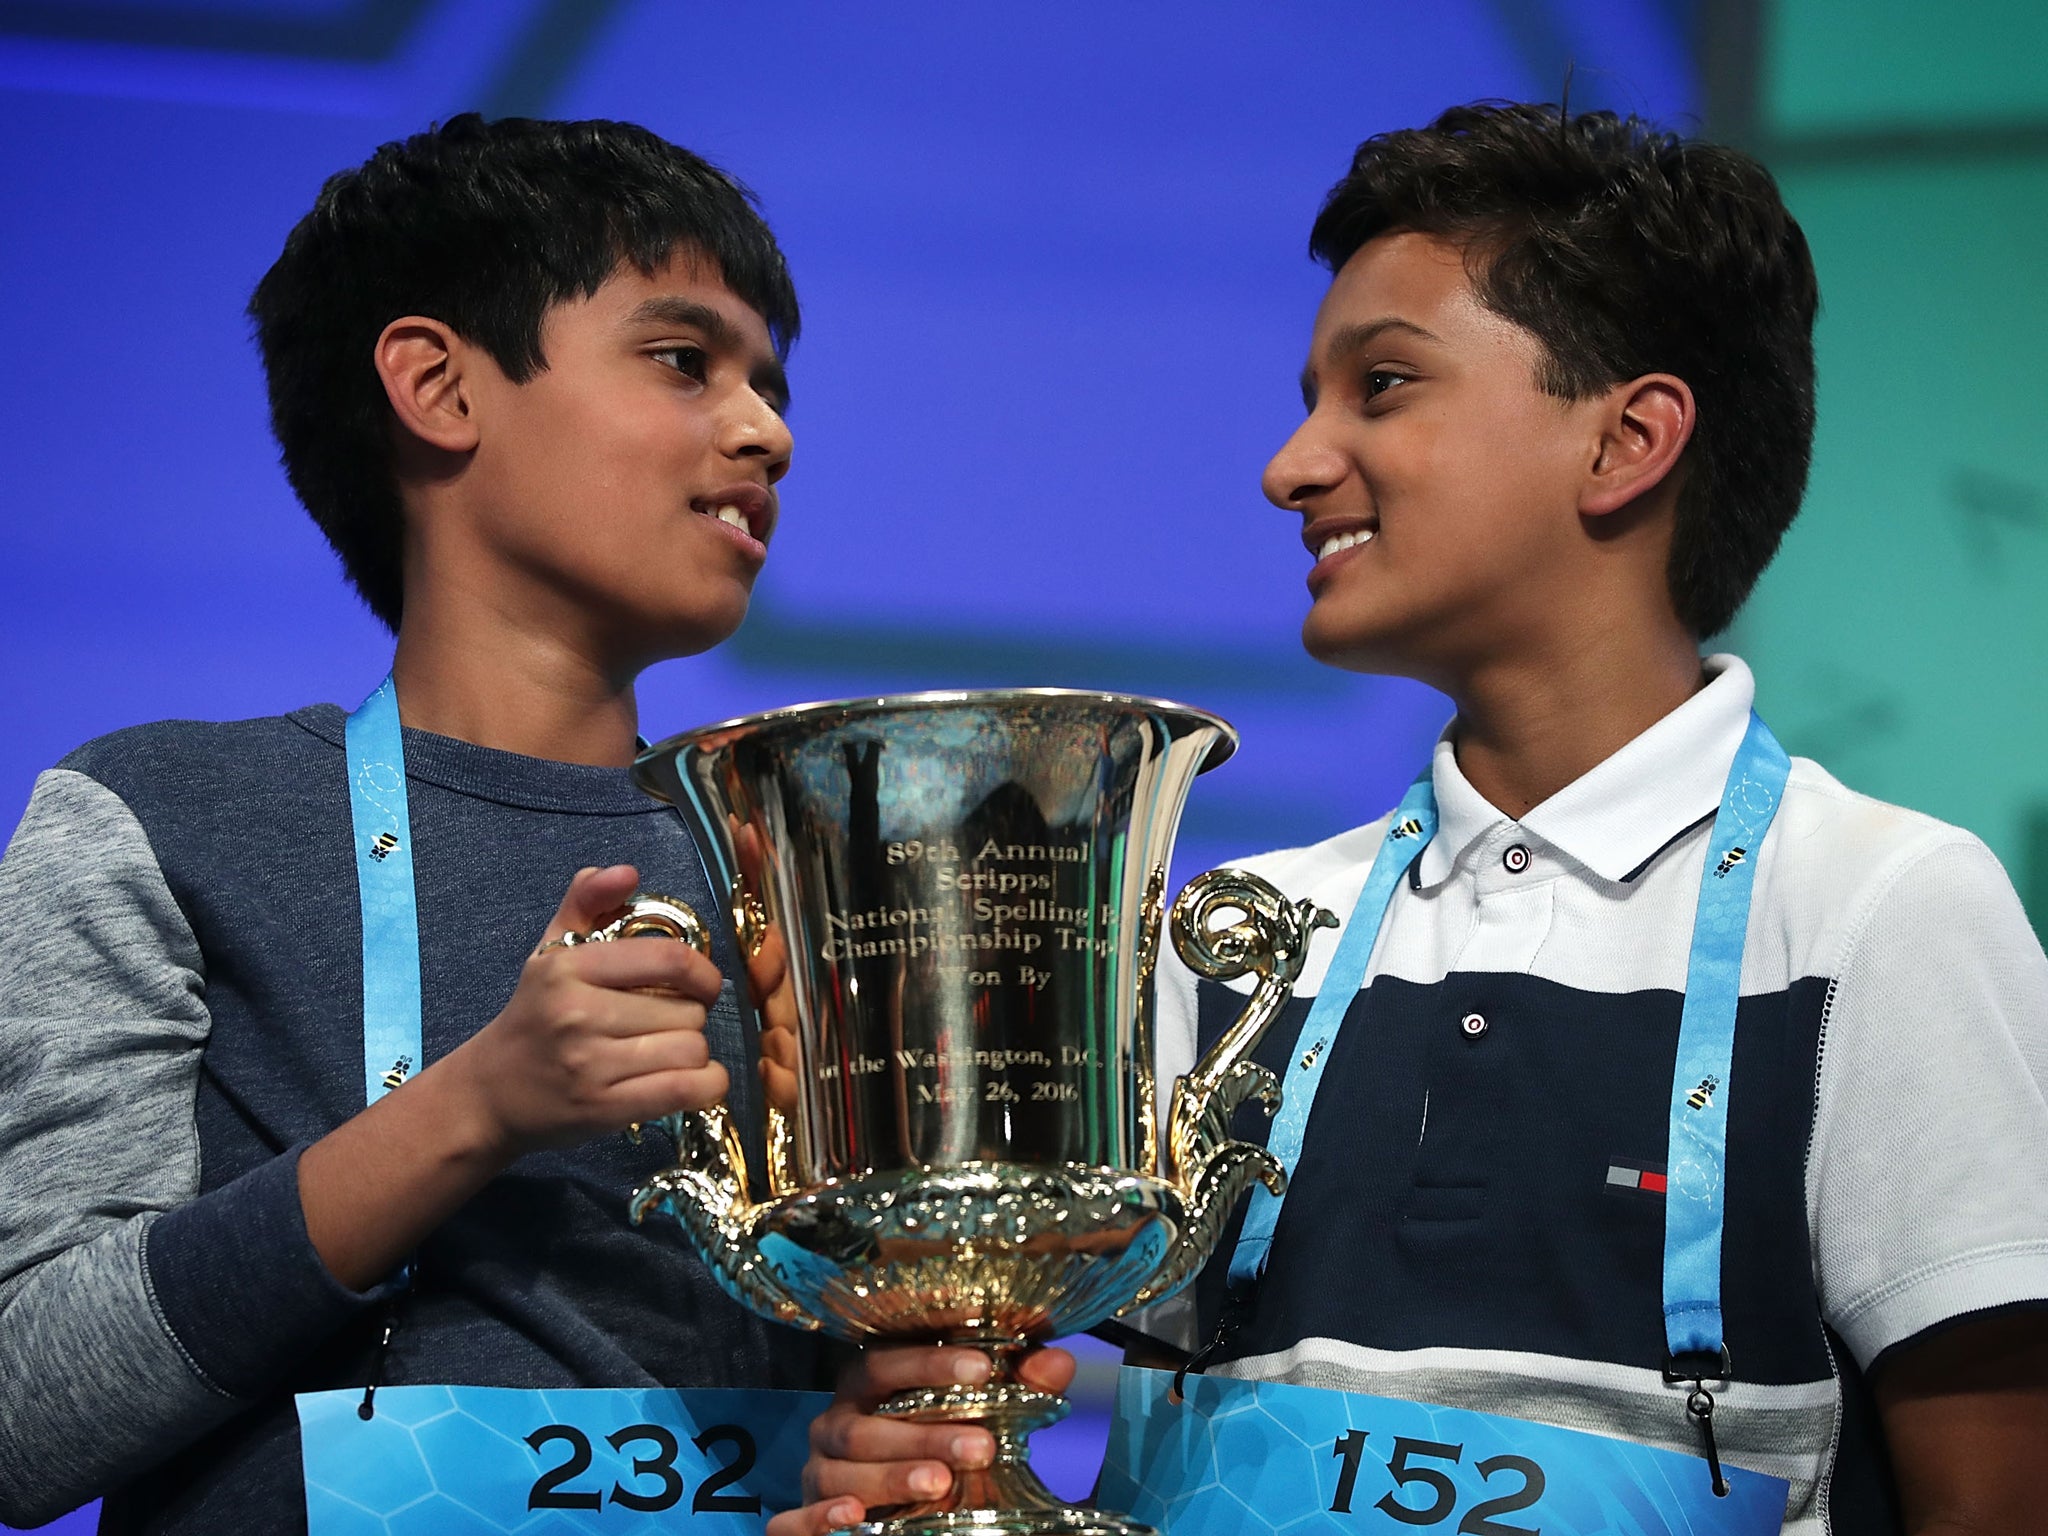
(1220,751)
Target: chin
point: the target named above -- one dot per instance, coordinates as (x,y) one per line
(1334,637)
(698,627)
(1349,642)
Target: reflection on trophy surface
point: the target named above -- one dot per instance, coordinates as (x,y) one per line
(949,907)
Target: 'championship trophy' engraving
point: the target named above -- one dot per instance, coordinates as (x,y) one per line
(949,907)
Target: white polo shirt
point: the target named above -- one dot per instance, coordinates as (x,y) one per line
(1477,1216)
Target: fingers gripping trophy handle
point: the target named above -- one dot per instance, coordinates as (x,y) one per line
(706,1190)
(1226,924)
(750,925)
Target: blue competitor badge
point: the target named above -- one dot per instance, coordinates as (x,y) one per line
(479,1460)
(1243,1458)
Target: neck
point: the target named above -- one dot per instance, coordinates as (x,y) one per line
(1529,726)
(474,674)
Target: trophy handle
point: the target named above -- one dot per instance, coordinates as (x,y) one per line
(706,1190)
(1269,937)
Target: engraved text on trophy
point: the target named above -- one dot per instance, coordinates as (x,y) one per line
(976,967)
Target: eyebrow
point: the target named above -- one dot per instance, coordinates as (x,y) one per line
(669,310)
(769,379)
(1353,339)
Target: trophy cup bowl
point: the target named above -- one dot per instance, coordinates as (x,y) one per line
(949,907)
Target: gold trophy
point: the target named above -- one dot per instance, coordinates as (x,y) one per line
(949,906)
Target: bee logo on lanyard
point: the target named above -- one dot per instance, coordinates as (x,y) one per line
(1409,828)
(401,1069)
(1729,860)
(1703,1095)
(382,844)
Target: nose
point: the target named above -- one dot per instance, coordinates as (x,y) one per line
(1305,468)
(754,432)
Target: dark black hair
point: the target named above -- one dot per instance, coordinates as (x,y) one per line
(483,226)
(1626,250)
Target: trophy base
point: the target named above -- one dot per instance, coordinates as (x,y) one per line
(1004,1498)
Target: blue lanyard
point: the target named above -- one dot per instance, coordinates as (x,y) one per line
(384,885)
(1697,1153)
(1693,1208)
(1413,825)
(392,1048)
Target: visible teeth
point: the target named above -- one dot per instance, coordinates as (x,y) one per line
(1337,541)
(734,516)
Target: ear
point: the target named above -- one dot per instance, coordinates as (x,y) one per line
(1646,425)
(421,363)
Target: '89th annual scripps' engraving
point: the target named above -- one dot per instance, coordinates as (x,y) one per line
(1001,899)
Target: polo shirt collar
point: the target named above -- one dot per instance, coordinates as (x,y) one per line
(1619,815)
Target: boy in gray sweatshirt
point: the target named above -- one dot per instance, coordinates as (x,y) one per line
(528,379)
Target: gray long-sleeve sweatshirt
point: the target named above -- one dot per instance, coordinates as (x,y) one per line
(181,1014)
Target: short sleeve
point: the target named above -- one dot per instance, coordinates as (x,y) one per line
(1927,1186)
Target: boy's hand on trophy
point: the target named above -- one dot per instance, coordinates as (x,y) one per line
(597,1036)
(778,1065)
(768,983)
(861,1462)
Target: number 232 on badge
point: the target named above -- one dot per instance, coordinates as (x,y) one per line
(489,1459)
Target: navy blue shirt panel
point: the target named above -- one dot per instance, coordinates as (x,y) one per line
(1453,1188)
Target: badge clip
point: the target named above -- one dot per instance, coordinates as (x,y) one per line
(1698,1369)
(1234,1308)
(367,1409)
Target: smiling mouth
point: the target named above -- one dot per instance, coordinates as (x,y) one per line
(747,510)
(1342,541)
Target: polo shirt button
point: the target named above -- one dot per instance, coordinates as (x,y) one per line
(1516,858)
(1473,1024)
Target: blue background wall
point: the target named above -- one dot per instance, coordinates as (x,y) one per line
(1052,263)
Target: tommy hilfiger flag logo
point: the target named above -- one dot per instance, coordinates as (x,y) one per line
(1649,1180)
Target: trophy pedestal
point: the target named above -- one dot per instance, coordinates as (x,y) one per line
(1004,1498)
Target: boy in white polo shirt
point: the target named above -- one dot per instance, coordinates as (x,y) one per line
(1560,406)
